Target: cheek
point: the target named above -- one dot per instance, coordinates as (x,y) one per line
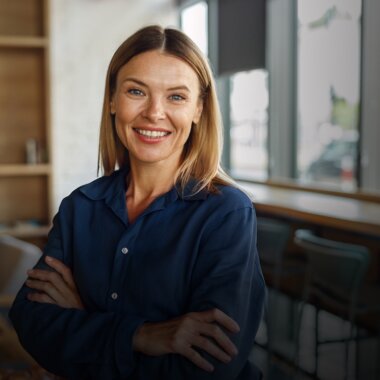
(184,119)
(185,132)
(125,113)
(124,117)
(123,129)
(120,131)
(184,125)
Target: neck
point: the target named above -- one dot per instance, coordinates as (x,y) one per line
(148,181)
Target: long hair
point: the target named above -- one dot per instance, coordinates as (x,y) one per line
(202,152)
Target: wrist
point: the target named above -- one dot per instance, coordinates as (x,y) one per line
(138,339)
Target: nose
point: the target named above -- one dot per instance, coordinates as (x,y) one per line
(154,110)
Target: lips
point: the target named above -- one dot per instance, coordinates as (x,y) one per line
(151,134)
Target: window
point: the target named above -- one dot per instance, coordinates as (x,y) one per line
(298,119)
(194,24)
(249,124)
(328,94)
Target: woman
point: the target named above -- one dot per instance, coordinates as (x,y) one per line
(151,271)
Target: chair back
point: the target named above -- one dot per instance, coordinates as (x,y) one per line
(335,269)
(16,257)
(272,238)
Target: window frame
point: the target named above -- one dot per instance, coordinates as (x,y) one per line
(282,125)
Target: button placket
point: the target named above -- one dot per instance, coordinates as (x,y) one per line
(120,261)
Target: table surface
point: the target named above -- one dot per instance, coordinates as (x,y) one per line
(327,210)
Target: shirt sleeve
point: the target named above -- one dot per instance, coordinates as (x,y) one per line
(73,343)
(98,345)
(227,276)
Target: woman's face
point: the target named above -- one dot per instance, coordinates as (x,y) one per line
(155,103)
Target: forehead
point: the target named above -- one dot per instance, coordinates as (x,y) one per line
(156,67)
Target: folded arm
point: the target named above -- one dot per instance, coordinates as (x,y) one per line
(176,336)
(70,341)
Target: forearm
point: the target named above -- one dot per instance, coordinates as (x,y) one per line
(176,366)
(74,343)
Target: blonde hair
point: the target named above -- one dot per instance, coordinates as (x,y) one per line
(202,151)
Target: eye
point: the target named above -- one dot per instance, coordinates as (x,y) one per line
(176,97)
(135,91)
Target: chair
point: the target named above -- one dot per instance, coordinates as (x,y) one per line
(335,276)
(273,236)
(16,257)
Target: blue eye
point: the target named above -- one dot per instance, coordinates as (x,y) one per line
(135,91)
(176,97)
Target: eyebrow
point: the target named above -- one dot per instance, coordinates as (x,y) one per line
(141,83)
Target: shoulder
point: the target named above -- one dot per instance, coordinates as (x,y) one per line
(101,187)
(227,201)
(105,187)
(229,210)
(231,197)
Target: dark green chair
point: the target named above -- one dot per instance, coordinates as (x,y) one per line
(273,236)
(335,274)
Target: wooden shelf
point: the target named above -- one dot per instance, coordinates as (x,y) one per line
(26,231)
(24,170)
(25,189)
(24,42)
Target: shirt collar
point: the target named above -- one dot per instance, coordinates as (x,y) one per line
(106,187)
(112,186)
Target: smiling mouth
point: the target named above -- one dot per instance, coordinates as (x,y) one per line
(151,134)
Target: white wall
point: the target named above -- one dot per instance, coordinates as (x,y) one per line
(84,35)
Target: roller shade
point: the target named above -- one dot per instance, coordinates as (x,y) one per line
(241,35)
(237,31)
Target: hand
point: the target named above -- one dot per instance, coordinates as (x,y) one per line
(201,330)
(56,287)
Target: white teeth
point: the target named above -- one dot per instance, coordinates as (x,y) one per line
(151,134)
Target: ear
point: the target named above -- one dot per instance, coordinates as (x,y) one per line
(112,107)
(198,112)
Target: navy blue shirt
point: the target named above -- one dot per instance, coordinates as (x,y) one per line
(185,253)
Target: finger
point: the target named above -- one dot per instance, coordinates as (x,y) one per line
(53,278)
(211,348)
(45,288)
(51,283)
(47,276)
(62,269)
(215,332)
(40,274)
(40,297)
(217,315)
(197,359)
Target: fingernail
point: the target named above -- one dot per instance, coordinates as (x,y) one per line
(48,258)
(210,368)
(227,359)
(29,271)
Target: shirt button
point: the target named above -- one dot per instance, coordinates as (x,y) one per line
(124,250)
(114,296)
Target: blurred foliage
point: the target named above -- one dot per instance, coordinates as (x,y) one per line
(343,113)
(325,19)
